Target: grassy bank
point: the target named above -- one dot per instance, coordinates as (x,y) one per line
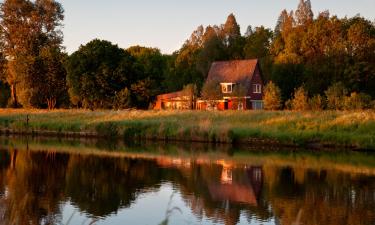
(327,128)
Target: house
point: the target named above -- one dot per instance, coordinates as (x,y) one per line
(232,75)
(176,100)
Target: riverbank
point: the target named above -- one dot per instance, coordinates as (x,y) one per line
(200,153)
(354,130)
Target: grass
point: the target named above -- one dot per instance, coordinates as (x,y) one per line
(326,128)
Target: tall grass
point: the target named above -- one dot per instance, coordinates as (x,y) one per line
(331,128)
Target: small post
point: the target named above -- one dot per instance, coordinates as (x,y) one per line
(27,122)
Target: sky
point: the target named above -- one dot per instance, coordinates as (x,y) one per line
(166,24)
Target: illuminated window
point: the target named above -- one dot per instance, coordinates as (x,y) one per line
(257,88)
(227,87)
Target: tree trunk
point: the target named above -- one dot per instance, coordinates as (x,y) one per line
(51,102)
(14,95)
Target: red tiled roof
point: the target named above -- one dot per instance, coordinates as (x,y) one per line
(235,71)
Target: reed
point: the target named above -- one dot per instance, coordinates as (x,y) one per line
(354,129)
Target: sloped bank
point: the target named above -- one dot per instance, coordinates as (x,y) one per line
(355,130)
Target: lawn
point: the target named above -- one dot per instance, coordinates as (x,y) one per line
(323,128)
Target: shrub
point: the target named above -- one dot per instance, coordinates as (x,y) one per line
(272,97)
(316,103)
(335,96)
(357,101)
(122,99)
(300,100)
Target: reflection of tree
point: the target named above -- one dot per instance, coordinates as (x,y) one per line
(100,186)
(32,194)
(321,197)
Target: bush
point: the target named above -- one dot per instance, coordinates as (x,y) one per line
(335,96)
(357,101)
(316,103)
(122,99)
(300,100)
(272,97)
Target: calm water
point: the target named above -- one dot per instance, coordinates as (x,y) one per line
(54,182)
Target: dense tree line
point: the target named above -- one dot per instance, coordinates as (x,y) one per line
(304,52)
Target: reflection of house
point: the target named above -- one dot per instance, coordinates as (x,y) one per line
(236,191)
(226,175)
(240,82)
(241,85)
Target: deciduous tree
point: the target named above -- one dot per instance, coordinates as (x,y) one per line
(272,97)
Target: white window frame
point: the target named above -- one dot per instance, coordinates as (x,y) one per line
(226,88)
(257,88)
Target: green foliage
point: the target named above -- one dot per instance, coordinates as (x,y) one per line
(300,100)
(272,97)
(96,72)
(325,50)
(142,92)
(257,43)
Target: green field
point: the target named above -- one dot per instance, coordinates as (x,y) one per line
(306,129)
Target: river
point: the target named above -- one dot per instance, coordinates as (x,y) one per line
(82,182)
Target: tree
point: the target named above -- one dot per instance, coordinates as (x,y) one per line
(281,22)
(257,44)
(231,30)
(142,93)
(97,72)
(52,89)
(300,100)
(213,50)
(149,64)
(272,97)
(304,13)
(26,29)
(231,37)
(211,92)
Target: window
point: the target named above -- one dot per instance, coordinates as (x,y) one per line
(227,87)
(257,105)
(257,88)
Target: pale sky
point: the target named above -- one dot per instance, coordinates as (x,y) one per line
(166,24)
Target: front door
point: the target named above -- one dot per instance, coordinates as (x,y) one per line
(226,105)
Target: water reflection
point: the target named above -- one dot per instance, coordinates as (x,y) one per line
(36,185)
